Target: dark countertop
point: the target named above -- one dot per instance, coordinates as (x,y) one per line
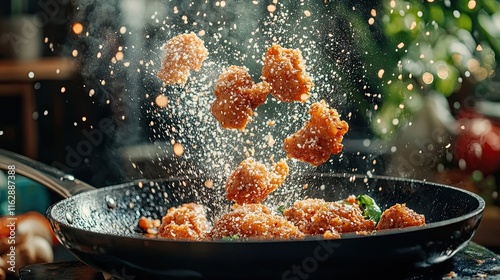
(473,262)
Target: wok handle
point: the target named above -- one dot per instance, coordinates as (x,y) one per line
(64,184)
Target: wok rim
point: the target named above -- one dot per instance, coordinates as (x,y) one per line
(348,236)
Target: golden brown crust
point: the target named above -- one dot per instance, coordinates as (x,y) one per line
(187,222)
(400,216)
(237,96)
(285,71)
(331,234)
(183,53)
(251,182)
(254,221)
(149,225)
(316,216)
(319,138)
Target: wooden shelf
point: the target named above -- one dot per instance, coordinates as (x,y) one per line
(17,78)
(50,68)
(30,133)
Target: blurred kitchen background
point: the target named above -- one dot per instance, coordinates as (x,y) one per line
(417,82)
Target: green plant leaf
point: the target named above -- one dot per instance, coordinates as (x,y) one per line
(370,208)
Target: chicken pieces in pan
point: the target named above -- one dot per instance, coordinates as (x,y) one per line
(186,222)
(254,221)
(317,216)
(400,216)
(308,217)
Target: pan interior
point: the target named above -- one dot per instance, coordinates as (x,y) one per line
(116,210)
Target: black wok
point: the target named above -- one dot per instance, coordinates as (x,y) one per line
(99,227)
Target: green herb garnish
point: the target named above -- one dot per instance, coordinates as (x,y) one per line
(231,238)
(369,207)
(281,209)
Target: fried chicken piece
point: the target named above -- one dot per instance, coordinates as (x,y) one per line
(319,138)
(254,221)
(351,199)
(316,216)
(331,234)
(237,96)
(251,182)
(400,216)
(186,222)
(149,225)
(183,53)
(285,70)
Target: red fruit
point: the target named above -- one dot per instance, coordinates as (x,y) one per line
(478,144)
